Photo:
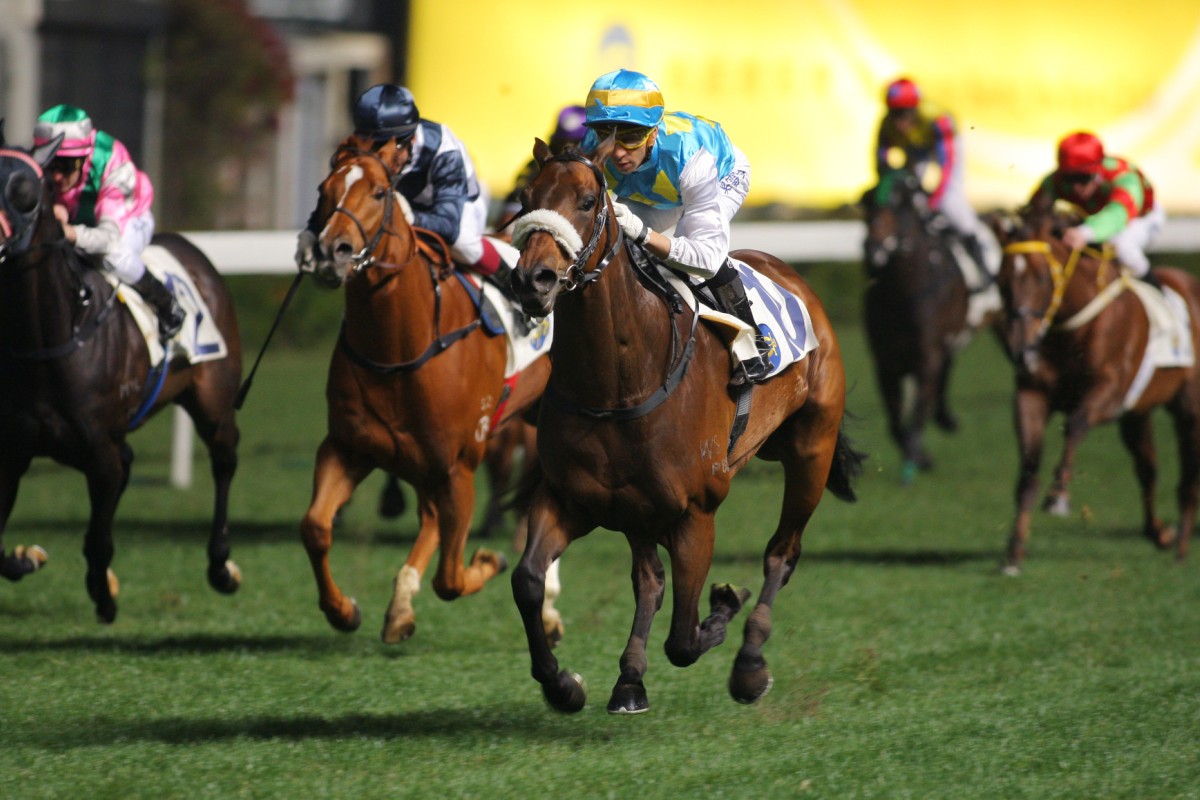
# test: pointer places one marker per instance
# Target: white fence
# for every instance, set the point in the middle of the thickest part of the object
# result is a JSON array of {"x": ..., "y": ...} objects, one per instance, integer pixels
[{"x": 271, "y": 252}]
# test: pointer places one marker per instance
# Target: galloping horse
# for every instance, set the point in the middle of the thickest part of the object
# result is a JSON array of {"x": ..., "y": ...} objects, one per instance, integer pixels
[
  {"x": 915, "y": 310},
  {"x": 634, "y": 428},
  {"x": 416, "y": 386},
  {"x": 1078, "y": 333},
  {"x": 75, "y": 375}
]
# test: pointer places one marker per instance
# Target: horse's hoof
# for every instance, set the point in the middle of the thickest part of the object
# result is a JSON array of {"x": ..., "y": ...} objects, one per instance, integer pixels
[
  {"x": 225, "y": 579},
  {"x": 485, "y": 556},
  {"x": 946, "y": 421},
  {"x": 908, "y": 473},
  {"x": 1163, "y": 537},
  {"x": 628, "y": 698},
  {"x": 567, "y": 694},
  {"x": 1010, "y": 569},
  {"x": 1057, "y": 505},
  {"x": 343, "y": 623},
  {"x": 106, "y": 612},
  {"x": 727, "y": 596},
  {"x": 750, "y": 686},
  {"x": 395, "y": 632}
]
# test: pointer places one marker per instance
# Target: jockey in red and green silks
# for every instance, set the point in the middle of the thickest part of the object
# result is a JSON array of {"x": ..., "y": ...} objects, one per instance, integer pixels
[
  {"x": 1113, "y": 192},
  {"x": 926, "y": 135}
]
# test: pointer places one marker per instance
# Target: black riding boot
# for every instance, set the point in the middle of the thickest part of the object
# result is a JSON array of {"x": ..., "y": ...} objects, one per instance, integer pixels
[
  {"x": 170, "y": 315},
  {"x": 1152, "y": 279},
  {"x": 974, "y": 249},
  {"x": 731, "y": 298}
]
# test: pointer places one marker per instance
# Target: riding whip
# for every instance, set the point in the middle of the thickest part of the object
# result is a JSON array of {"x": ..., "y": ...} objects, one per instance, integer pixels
[{"x": 241, "y": 396}]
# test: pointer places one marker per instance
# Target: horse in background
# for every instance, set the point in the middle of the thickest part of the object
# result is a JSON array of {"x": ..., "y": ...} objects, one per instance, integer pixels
[
  {"x": 918, "y": 309},
  {"x": 416, "y": 387},
  {"x": 76, "y": 377},
  {"x": 635, "y": 432},
  {"x": 1078, "y": 334}
]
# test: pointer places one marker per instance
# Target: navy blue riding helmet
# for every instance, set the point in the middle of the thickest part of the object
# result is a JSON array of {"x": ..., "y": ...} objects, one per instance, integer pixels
[{"x": 386, "y": 111}]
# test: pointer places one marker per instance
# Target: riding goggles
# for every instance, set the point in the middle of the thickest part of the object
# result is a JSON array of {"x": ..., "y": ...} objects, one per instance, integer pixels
[{"x": 629, "y": 137}]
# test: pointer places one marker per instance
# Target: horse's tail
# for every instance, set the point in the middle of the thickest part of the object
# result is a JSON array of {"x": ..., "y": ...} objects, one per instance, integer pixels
[{"x": 846, "y": 467}]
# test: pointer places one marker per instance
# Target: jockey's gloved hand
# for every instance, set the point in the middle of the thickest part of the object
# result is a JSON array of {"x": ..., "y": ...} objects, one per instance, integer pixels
[
  {"x": 630, "y": 223},
  {"x": 306, "y": 251}
]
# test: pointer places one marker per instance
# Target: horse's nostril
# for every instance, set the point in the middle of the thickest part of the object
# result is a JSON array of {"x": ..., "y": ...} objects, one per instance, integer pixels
[
  {"x": 544, "y": 278},
  {"x": 342, "y": 249}
]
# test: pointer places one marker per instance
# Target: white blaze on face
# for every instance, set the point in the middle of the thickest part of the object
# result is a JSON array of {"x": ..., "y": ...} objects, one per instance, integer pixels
[
  {"x": 1019, "y": 264},
  {"x": 352, "y": 176}
]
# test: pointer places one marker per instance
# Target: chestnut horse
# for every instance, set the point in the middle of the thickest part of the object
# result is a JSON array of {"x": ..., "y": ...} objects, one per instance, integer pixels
[
  {"x": 634, "y": 428},
  {"x": 76, "y": 377},
  {"x": 416, "y": 386},
  {"x": 915, "y": 310},
  {"x": 1076, "y": 333}
]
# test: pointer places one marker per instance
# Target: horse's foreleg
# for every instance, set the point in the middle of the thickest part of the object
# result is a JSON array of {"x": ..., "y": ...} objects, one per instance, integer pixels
[
  {"x": 691, "y": 549},
  {"x": 334, "y": 480},
  {"x": 400, "y": 622},
  {"x": 107, "y": 472},
  {"x": 891, "y": 387},
  {"x": 456, "y": 502},
  {"x": 942, "y": 415},
  {"x": 1058, "y": 498},
  {"x": 22, "y": 560},
  {"x": 1138, "y": 437},
  {"x": 550, "y": 532},
  {"x": 1031, "y": 409},
  {"x": 629, "y": 695}
]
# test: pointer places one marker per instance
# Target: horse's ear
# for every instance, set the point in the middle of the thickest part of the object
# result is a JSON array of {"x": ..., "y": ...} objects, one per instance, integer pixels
[
  {"x": 541, "y": 151},
  {"x": 603, "y": 150},
  {"x": 45, "y": 152}
]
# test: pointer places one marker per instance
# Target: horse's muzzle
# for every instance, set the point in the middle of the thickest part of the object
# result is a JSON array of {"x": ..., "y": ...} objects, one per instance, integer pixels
[{"x": 536, "y": 287}]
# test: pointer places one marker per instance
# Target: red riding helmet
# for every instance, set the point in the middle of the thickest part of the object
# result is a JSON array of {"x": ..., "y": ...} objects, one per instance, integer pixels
[
  {"x": 902, "y": 93},
  {"x": 1080, "y": 152}
]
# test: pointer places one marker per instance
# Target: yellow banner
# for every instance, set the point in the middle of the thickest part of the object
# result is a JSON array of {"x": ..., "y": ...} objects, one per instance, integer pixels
[{"x": 798, "y": 84}]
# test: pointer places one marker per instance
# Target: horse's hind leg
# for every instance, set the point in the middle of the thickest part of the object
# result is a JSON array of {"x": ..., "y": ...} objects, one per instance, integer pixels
[
  {"x": 219, "y": 432},
  {"x": 1186, "y": 416},
  {"x": 942, "y": 415},
  {"x": 629, "y": 694},
  {"x": 334, "y": 479},
  {"x": 805, "y": 472},
  {"x": 1138, "y": 436},
  {"x": 22, "y": 560},
  {"x": 107, "y": 473}
]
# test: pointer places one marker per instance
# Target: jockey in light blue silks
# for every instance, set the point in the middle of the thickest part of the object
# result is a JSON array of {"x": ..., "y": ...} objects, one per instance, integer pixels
[{"x": 679, "y": 180}]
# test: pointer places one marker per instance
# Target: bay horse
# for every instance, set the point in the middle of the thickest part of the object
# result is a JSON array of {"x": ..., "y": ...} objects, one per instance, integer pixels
[
  {"x": 1076, "y": 334},
  {"x": 416, "y": 386},
  {"x": 915, "y": 310},
  {"x": 634, "y": 428},
  {"x": 76, "y": 377}
]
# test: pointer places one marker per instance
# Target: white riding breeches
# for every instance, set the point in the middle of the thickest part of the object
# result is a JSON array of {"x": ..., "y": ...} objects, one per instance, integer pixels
[
  {"x": 125, "y": 258},
  {"x": 467, "y": 248},
  {"x": 1131, "y": 242}
]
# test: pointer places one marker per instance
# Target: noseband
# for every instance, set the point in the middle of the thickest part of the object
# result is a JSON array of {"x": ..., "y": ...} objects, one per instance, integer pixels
[{"x": 577, "y": 275}]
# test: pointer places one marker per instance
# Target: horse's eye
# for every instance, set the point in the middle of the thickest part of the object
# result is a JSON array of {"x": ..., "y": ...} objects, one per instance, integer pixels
[
  {"x": 21, "y": 192},
  {"x": 587, "y": 203},
  {"x": 382, "y": 193}
]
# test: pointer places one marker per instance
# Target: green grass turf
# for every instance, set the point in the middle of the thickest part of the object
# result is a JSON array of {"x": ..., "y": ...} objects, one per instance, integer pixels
[{"x": 905, "y": 665}]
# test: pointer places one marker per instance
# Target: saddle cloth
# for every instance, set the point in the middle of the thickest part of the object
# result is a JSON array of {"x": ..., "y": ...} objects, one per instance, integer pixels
[
  {"x": 523, "y": 347},
  {"x": 199, "y": 339},
  {"x": 782, "y": 319},
  {"x": 1170, "y": 340}
]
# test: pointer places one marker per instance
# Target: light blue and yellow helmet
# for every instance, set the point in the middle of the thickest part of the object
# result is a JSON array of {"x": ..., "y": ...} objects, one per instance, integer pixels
[{"x": 624, "y": 97}]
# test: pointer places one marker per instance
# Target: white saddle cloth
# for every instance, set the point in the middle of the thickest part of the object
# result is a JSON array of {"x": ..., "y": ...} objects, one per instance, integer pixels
[
  {"x": 1170, "y": 342},
  {"x": 199, "y": 339}
]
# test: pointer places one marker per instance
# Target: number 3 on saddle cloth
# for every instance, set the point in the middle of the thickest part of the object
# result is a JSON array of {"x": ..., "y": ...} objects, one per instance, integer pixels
[
  {"x": 781, "y": 317},
  {"x": 199, "y": 339}
]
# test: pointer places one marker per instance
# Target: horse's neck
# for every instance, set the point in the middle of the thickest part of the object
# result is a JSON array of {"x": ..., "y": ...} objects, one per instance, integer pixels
[
  {"x": 612, "y": 339},
  {"x": 390, "y": 306},
  {"x": 40, "y": 299}
]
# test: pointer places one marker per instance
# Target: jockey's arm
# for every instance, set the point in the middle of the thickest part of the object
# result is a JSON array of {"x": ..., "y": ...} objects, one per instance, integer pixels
[
  {"x": 448, "y": 176},
  {"x": 1125, "y": 203},
  {"x": 115, "y": 204},
  {"x": 700, "y": 242}
]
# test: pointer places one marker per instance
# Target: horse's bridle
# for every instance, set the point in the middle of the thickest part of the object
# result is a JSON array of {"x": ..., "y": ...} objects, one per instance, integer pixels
[{"x": 366, "y": 256}]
